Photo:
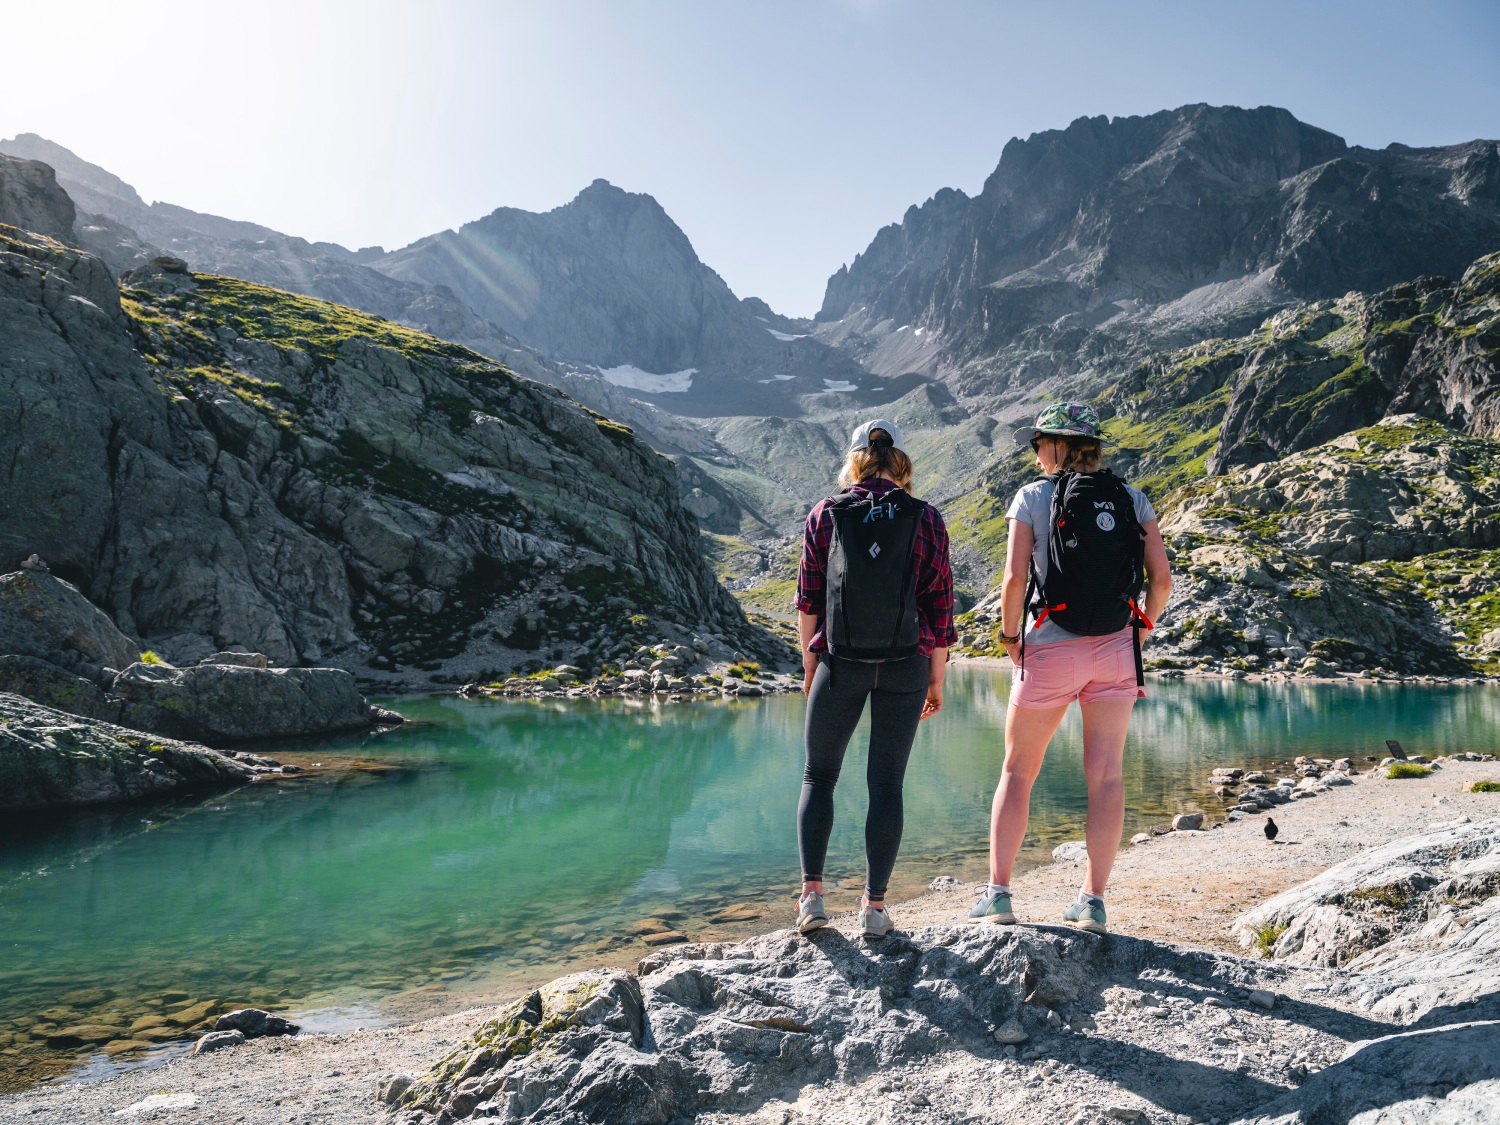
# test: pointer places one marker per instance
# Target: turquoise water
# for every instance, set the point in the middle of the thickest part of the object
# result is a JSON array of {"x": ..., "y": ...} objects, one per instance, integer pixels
[{"x": 494, "y": 841}]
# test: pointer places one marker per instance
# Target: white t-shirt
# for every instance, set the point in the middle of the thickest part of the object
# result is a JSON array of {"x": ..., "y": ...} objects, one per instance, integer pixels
[{"x": 1033, "y": 506}]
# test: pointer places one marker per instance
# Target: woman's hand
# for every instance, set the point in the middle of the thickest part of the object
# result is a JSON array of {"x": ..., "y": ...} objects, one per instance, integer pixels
[
  {"x": 934, "y": 702},
  {"x": 1013, "y": 650},
  {"x": 809, "y": 669}
]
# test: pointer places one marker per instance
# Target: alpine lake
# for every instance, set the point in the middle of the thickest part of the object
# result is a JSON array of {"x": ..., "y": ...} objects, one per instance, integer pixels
[{"x": 491, "y": 845}]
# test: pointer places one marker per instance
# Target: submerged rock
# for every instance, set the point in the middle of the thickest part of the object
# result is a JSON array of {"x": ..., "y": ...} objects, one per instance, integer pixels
[{"x": 51, "y": 759}]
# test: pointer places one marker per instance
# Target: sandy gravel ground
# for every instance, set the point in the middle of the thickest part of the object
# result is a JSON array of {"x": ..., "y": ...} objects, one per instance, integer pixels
[{"x": 1183, "y": 887}]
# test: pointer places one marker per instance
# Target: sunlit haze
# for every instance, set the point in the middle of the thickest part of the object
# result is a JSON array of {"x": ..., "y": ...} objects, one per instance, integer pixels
[{"x": 780, "y": 136}]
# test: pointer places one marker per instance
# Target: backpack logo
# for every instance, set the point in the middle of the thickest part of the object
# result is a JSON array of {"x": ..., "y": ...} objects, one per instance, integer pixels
[
  {"x": 1105, "y": 521},
  {"x": 874, "y": 549},
  {"x": 880, "y": 512}
]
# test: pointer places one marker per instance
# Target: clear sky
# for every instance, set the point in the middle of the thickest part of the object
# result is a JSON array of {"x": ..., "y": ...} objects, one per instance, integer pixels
[{"x": 779, "y": 135}]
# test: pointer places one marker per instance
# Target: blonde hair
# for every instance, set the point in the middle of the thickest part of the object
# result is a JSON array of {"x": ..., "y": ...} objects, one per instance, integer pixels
[
  {"x": 1083, "y": 454},
  {"x": 882, "y": 460}
]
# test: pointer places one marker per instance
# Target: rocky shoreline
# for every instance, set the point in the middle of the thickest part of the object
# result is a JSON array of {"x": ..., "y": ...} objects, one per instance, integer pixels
[
  {"x": 1367, "y": 986},
  {"x": 664, "y": 670}
]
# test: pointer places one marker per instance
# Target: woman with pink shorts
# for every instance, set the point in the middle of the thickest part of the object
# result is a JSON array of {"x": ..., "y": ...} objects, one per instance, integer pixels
[{"x": 1055, "y": 667}]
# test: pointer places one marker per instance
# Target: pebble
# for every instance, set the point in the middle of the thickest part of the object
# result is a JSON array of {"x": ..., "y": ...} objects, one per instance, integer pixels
[
  {"x": 1262, "y": 999},
  {"x": 1140, "y": 838}
]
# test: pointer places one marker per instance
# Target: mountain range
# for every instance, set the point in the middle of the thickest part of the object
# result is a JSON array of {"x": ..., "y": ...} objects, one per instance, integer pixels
[{"x": 1095, "y": 260}]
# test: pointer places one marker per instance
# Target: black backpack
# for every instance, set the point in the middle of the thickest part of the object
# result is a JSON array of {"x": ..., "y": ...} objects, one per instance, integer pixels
[
  {"x": 1096, "y": 555},
  {"x": 870, "y": 598}
]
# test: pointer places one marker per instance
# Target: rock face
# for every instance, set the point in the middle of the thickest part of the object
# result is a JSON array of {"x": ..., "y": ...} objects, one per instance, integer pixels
[
  {"x": 611, "y": 282},
  {"x": 1189, "y": 219},
  {"x": 939, "y": 1014},
  {"x": 49, "y": 759},
  {"x": 221, "y": 465}
]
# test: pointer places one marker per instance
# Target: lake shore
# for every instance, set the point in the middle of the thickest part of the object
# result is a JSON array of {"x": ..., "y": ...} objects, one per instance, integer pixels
[{"x": 1184, "y": 887}]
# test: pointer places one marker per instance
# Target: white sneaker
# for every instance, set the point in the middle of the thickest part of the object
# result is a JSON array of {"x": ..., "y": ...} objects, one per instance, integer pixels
[
  {"x": 810, "y": 913},
  {"x": 874, "y": 921}
]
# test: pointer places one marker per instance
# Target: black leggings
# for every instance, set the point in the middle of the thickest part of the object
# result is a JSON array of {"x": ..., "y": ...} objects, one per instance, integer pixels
[{"x": 896, "y": 689}]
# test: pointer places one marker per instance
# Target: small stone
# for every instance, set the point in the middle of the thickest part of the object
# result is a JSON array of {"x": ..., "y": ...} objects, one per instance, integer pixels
[
  {"x": 214, "y": 1040},
  {"x": 1074, "y": 851},
  {"x": 1011, "y": 1031},
  {"x": 1187, "y": 822},
  {"x": 916, "y": 1097},
  {"x": 670, "y": 937},
  {"x": 648, "y": 926},
  {"x": 1141, "y": 838},
  {"x": 1213, "y": 1002},
  {"x": 740, "y": 912},
  {"x": 1261, "y": 998},
  {"x": 1053, "y": 1020}
]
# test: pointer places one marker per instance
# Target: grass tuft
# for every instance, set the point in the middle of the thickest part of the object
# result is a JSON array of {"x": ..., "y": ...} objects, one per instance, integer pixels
[
  {"x": 1266, "y": 936},
  {"x": 1407, "y": 769}
]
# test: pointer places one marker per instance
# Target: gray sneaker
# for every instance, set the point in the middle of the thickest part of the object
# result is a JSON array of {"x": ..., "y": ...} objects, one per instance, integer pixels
[
  {"x": 1087, "y": 916},
  {"x": 874, "y": 921},
  {"x": 993, "y": 908},
  {"x": 810, "y": 913}
]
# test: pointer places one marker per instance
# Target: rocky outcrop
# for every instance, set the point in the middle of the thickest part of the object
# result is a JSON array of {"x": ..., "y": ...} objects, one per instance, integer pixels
[
  {"x": 31, "y": 199},
  {"x": 221, "y": 465},
  {"x": 219, "y": 702},
  {"x": 958, "y": 1023},
  {"x": 50, "y": 759},
  {"x": 1419, "y": 915},
  {"x": 117, "y": 225},
  {"x": 59, "y": 650}
]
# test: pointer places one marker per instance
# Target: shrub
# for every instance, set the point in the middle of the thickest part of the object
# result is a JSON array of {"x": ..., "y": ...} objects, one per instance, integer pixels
[
  {"x": 149, "y": 657},
  {"x": 1406, "y": 769},
  {"x": 1485, "y": 787}
]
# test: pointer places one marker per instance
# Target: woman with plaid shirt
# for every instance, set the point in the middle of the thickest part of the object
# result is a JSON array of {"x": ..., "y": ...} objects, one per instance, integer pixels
[{"x": 901, "y": 691}]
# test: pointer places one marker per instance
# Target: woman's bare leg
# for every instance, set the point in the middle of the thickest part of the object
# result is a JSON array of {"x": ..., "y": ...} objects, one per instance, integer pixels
[
  {"x": 1028, "y": 730},
  {"x": 1104, "y": 726}
]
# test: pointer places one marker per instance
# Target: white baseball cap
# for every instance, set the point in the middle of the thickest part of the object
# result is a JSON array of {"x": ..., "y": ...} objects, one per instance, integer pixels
[{"x": 860, "y": 439}]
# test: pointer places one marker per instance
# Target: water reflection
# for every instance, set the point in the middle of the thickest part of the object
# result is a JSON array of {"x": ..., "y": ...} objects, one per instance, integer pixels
[{"x": 524, "y": 835}]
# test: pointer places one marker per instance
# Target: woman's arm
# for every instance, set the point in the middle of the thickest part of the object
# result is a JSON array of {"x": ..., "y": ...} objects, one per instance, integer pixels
[
  {"x": 810, "y": 593},
  {"x": 807, "y": 625},
  {"x": 935, "y": 602},
  {"x": 1158, "y": 572},
  {"x": 1013, "y": 586}
]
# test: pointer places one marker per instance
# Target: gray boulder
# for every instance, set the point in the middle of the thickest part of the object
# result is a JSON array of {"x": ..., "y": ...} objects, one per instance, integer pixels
[
  {"x": 43, "y": 616},
  {"x": 255, "y": 1023},
  {"x": 227, "y": 702},
  {"x": 44, "y": 682},
  {"x": 50, "y": 759}
]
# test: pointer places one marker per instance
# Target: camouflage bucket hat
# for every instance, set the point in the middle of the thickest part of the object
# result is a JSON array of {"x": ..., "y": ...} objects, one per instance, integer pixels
[{"x": 1066, "y": 419}]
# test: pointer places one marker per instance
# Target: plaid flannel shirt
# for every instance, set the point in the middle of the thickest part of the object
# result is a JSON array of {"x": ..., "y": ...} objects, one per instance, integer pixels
[{"x": 934, "y": 574}]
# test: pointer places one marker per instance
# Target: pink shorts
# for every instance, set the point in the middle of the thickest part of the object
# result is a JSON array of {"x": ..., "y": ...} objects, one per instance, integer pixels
[{"x": 1088, "y": 669}]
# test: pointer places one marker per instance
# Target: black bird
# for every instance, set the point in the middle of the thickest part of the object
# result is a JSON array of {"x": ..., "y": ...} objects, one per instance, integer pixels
[{"x": 1271, "y": 830}]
